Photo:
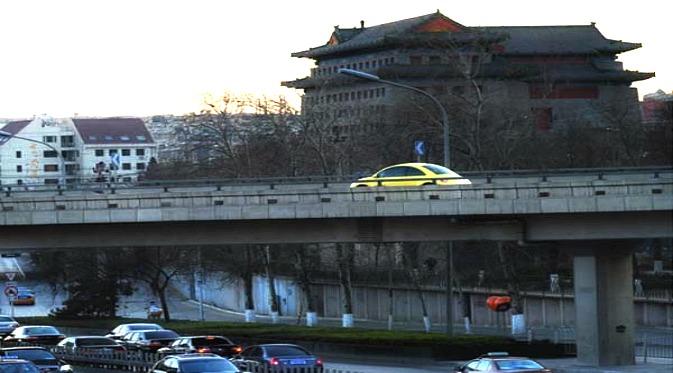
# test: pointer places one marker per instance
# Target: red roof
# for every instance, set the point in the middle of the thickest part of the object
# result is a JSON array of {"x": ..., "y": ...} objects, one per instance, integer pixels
[
  {"x": 113, "y": 131},
  {"x": 13, "y": 128}
]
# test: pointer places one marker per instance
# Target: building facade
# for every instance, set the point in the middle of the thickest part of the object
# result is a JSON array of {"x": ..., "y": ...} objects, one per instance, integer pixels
[
  {"x": 554, "y": 74},
  {"x": 69, "y": 151},
  {"x": 657, "y": 108}
]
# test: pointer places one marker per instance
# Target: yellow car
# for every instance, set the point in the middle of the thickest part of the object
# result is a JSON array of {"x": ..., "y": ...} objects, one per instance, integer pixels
[
  {"x": 412, "y": 174},
  {"x": 25, "y": 297}
]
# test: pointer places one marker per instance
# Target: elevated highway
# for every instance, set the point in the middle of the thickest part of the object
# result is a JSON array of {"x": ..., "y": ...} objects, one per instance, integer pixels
[
  {"x": 526, "y": 208},
  {"x": 592, "y": 214}
]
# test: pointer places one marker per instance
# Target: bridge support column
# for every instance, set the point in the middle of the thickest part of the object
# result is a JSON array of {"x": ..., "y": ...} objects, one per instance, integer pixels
[{"x": 603, "y": 277}]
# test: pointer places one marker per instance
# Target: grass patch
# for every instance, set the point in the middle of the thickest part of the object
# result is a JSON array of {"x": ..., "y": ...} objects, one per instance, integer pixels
[{"x": 458, "y": 347}]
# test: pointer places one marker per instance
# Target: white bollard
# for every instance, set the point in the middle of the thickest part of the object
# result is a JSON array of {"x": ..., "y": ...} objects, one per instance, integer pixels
[
  {"x": 249, "y": 315},
  {"x": 426, "y": 324},
  {"x": 275, "y": 319},
  {"x": 390, "y": 322},
  {"x": 468, "y": 325},
  {"x": 311, "y": 319},
  {"x": 347, "y": 320},
  {"x": 518, "y": 324}
]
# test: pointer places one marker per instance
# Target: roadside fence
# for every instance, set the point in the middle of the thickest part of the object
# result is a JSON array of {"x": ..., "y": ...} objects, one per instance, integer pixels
[
  {"x": 135, "y": 361},
  {"x": 654, "y": 346}
]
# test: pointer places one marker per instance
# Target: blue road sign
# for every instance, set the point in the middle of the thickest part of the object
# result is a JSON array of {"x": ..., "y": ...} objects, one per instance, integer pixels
[
  {"x": 419, "y": 147},
  {"x": 116, "y": 160}
]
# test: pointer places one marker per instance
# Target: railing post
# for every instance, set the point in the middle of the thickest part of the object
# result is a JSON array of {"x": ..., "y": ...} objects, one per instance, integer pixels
[{"x": 645, "y": 348}]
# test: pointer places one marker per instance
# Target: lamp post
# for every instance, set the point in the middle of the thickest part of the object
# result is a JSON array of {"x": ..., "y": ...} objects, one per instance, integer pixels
[
  {"x": 58, "y": 154},
  {"x": 442, "y": 110},
  {"x": 447, "y": 164}
]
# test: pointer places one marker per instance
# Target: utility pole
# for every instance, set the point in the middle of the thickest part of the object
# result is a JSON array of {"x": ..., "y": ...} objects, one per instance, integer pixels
[
  {"x": 449, "y": 288},
  {"x": 200, "y": 283}
]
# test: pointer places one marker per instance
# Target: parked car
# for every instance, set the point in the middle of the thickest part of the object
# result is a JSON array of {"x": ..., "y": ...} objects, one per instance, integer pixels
[
  {"x": 412, "y": 174},
  {"x": 40, "y": 356},
  {"x": 277, "y": 356},
  {"x": 34, "y": 334},
  {"x": 18, "y": 365},
  {"x": 7, "y": 325},
  {"x": 218, "y": 345},
  {"x": 25, "y": 297},
  {"x": 148, "y": 340},
  {"x": 123, "y": 329},
  {"x": 103, "y": 344},
  {"x": 194, "y": 363},
  {"x": 501, "y": 362}
]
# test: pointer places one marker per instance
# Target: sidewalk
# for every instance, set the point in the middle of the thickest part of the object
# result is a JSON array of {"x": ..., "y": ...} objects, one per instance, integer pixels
[{"x": 571, "y": 365}]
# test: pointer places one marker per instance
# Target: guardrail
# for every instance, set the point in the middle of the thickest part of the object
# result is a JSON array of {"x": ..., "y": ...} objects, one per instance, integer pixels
[
  {"x": 647, "y": 344},
  {"x": 137, "y": 361},
  {"x": 487, "y": 177},
  {"x": 654, "y": 346}
]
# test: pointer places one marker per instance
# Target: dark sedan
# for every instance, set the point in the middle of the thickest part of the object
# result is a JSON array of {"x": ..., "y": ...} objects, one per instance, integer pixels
[
  {"x": 34, "y": 335},
  {"x": 218, "y": 345},
  {"x": 123, "y": 329},
  {"x": 101, "y": 344},
  {"x": 278, "y": 357},
  {"x": 40, "y": 356},
  {"x": 148, "y": 340}
]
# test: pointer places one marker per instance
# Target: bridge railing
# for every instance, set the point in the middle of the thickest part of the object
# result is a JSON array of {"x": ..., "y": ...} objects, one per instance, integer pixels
[
  {"x": 143, "y": 362},
  {"x": 481, "y": 177}
]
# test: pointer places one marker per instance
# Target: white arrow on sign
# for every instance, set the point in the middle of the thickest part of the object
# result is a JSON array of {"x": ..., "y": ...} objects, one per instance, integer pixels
[{"x": 116, "y": 160}]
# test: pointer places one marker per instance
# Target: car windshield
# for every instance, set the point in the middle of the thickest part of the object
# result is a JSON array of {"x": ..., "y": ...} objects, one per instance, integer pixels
[
  {"x": 517, "y": 364},
  {"x": 161, "y": 334},
  {"x": 5, "y": 318},
  {"x": 209, "y": 365},
  {"x": 144, "y": 327},
  {"x": 439, "y": 170},
  {"x": 285, "y": 351},
  {"x": 42, "y": 330},
  {"x": 18, "y": 368},
  {"x": 94, "y": 341},
  {"x": 31, "y": 355},
  {"x": 211, "y": 341}
]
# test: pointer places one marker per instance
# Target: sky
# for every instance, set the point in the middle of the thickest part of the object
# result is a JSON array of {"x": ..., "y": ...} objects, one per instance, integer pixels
[{"x": 147, "y": 57}]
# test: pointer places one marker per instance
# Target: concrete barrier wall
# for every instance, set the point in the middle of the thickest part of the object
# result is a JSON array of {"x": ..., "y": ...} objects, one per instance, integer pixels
[{"x": 371, "y": 303}]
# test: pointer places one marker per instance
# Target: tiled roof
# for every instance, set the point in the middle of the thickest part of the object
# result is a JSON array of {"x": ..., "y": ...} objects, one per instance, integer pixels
[
  {"x": 369, "y": 36},
  {"x": 113, "y": 131},
  {"x": 13, "y": 128},
  {"x": 581, "y": 39}
]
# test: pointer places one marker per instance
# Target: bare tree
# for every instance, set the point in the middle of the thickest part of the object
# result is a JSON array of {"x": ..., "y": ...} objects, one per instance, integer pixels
[
  {"x": 273, "y": 297},
  {"x": 345, "y": 261},
  {"x": 157, "y": 266},
  {"x": 305, "y": 263}
]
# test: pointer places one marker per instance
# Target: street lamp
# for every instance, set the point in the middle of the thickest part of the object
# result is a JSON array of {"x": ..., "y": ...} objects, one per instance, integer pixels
[
  {"x": 447, "y": 164},
  {"x": 445, "y": 117},
  {"x": 58, "y": 154}
]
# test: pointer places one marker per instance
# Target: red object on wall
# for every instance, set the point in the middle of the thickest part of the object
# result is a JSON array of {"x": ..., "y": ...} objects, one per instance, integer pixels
[
  {"x": 499, "y": 303},
  {"x": 543, "y": 118}
]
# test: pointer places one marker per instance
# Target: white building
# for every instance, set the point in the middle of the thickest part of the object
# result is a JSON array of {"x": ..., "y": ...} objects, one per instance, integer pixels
[
  {"x": 48, "y": 151},
  {"x": 25, "y": 160},
  {"x": 106, "y": 139}
]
